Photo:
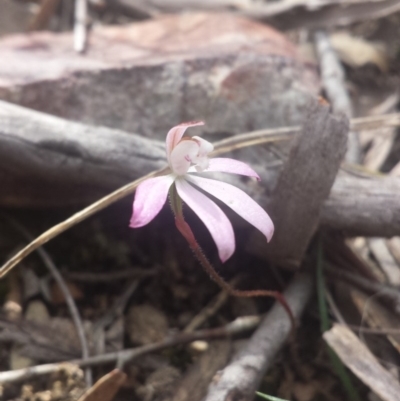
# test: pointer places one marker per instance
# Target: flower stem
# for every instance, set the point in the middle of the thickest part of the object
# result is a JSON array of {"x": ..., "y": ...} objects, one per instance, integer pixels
[{"x": 186, "y": 231}]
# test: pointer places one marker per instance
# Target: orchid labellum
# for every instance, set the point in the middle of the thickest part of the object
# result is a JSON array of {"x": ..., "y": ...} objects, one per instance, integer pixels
[{"x": 186, "y": 157}]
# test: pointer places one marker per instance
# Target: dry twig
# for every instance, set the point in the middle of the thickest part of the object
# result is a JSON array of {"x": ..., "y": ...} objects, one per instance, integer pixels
[
  {"x": 239, "y": 325},
  {"x": 75, "y": 219},
  {"x": 359, "y": 359},
  {"x": 390, "y": 295},
  {"x": 333, "y": 80},
  {"x": 80, "y": 33},
  {"x": 106, "y": 277},
  {"x": 241, "y": 378},
  {"x": 48, "y": 262},
  {"x": 331, "y": 213}
]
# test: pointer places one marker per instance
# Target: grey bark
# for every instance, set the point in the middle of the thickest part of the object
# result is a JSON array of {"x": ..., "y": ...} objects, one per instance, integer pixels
[
  {"x": 304, "y": 184},
  {"x": 45, "y": 160},
  {"x": 333, "y": 81}
]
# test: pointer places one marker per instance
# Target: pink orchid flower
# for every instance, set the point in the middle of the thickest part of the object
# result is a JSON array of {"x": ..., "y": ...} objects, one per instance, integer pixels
[{"x": 190, "y": 155}]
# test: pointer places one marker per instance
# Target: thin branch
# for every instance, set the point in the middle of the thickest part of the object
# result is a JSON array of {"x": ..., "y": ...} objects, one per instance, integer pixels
[
  {"x": 75, "y": 219},
  {"x": 106, "y": 277},
  {"x": 241, "y": 378},
  {"x": 210, "y": 309},
  {"x": 368, "y": 330},
  {"x": 264, "y": 136},
  {"x": 333, "y": 79},
  {"x": 80, "y": 33},
  {"x": 238, "y": 326},
  {"x": 391, "y": 295},
  {"x": 48, "y": 262}
]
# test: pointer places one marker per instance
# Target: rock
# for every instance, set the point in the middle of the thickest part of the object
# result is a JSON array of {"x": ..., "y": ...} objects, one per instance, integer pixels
[
  {"x": 36, "y": 311},
  {"x": 234, "y": 73},
  {"x": 146, "y": 324}
]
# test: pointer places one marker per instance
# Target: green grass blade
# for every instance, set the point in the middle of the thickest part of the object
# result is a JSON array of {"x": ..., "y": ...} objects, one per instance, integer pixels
[
  {"x": 269, "y": 397},
  {"x": 337, "y": 364}
]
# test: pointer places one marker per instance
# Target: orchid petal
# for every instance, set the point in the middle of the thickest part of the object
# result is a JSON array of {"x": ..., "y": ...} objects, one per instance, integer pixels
[
  {"x": 182, "y": 156},
  {"x": 238, "y": 201},
  {"x": 205, "y": 146},
  {"x": 150, "y": 197},
  {"x": 211, "y": 215},
  {"x": 226, "y": 165},
  {"x": 175, "y": 134}
]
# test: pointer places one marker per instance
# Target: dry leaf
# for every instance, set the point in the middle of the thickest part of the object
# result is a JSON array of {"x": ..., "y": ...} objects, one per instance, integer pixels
[
  {"x": 393, "y": 245},
  {"x": 105, "y": 388},
  {"x": 358, "y": 358},
  {"x": 377, "y": 316},
  {"x": 381, "y": 146},
  {"x": 357, "y": 52},
  {"x": 385, "y": 259}
]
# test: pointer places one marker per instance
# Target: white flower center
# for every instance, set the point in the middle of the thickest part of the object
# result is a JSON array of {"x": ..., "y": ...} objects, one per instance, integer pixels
[{"x": 190, "y": 152}]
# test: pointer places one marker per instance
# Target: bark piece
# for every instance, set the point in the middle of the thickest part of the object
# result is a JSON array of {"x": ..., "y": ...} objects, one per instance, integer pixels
[
  {"x": 304, "y": 184},
  {"x": 234, "y": 73},
  {"x": 358, "y": 358},
  {"x": 241, "y": 378}
]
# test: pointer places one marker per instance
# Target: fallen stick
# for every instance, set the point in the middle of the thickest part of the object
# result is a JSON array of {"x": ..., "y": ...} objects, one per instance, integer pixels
[
  {"x": 240, "y": 379},
  {"x": 365, "y": 207},
  {"x": 239, "y": 325},
  {"x": 333, "y": 81}
]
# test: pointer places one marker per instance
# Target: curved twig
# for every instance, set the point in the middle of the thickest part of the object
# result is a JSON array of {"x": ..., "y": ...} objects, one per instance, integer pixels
[
  {"x": 75, "y": 219},
  {"x": 48, "y": 262}
]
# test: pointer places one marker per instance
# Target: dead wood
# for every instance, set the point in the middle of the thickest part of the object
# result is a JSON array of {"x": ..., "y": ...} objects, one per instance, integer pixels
[
  {"x": 359, "y": 359},
  {"x": 37, "y": 151},
  {"x": 72, "y": 163},
  {"x": 390, "y": 295},
  {"x": 193, "y": 386},
  {"x": 286, "y": 15},
  {"x": 304, "y": 184},
  {"x": 333, "y": 81},
  {"x": 332, "y": 15},
  {"x": 238, "y": 326},
  {"x": 363, "y": 206},
  {"x": 241, "y": 378}
]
